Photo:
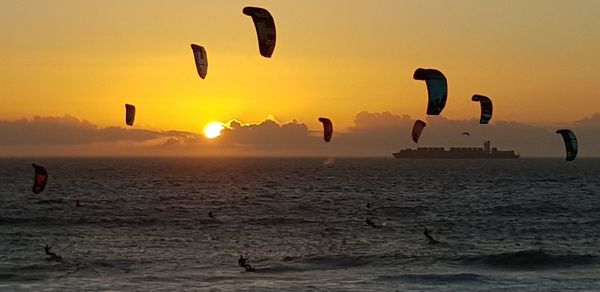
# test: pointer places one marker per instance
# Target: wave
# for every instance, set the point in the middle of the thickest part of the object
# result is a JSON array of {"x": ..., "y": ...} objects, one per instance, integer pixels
[
  {"x": 278, "y": 221},
  {"x": 433, "y": 278},
  {"x": 333, "y": 261},
  {"x": 311, "y": 263},
  {"x": 527, "y": 209},
  {"x": 52, "y": 268},
  {"x": 111, "y": 263},
  {"x": 90, "y": 220},
  {"x": 10, "y": 277},
  {"x": 50, "y": 201},
  {"x": 297, "y": 264},
  {"x": 401, "y": 211},
  {"x": 529, "y": 259},
  {"x": 273, "y": 269},
  {"x": 34, "y": 268}
]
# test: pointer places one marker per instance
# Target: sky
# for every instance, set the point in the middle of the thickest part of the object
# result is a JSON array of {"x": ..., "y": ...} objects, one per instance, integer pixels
[{"x": 77, "y": 63}]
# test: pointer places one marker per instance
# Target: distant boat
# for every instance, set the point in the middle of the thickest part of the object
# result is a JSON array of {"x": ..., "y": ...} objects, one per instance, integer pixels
[{"x": 486, "y": 152}]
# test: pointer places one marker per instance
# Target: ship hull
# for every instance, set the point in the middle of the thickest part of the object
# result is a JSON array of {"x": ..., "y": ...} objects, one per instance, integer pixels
[
  {"x": 485, "y": 152},
  {"x": 400, "y": 155}
]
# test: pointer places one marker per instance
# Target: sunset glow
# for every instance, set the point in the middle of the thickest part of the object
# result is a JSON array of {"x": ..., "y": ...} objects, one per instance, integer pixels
[
  {"x": 69, "y": 66},
  {"x": 485, "y": 48}
]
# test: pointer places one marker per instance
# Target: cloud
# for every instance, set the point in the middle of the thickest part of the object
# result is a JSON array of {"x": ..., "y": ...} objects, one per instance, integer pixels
[
  {"x": 66, "y": 130},
  {"x": 371, "y": 129},
  {"x": 592, "y": 121},
  {"x": 268, "y": 133},
  {"x": 380, "y": 122},
  {"x": 373, "y": 134},
  {"x": 68, "y": 135},
  {"x": 270, "y": 138}
]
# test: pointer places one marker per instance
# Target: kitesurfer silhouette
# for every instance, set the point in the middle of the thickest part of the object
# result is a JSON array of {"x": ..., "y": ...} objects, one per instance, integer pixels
[
  {"x": 47, "y": 249},
  {"x": 427, "y": 234},
  {"x": 242, "y": 263},
  {"x": 368, "y": 221},
  {"x": 52, "y": 255}
]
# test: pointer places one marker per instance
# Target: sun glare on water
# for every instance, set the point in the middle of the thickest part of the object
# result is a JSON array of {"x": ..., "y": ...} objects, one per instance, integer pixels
[{"x": 213, "y": 130}]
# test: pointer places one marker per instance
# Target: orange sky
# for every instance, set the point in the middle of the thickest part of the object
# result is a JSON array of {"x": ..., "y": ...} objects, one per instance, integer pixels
[{"x": 538, "y": 60}]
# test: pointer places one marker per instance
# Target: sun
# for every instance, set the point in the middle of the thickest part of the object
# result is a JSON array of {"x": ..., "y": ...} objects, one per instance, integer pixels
[{"x": 213, "y": 130}]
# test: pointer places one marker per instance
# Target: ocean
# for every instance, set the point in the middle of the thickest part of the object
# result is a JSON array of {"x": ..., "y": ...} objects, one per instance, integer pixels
[{"x": 143, "y": 224}]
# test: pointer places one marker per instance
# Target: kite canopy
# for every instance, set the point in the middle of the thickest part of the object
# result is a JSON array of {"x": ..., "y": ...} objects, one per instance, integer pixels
[
  {"x": 201, "y": 60},
  {"x": 417, "y": 129},
  {"x": 40, "y": 179},
  {"x": 466, "y": 134},
  {"x": 437, "y": 89},
  {"x": 327, "y": 129},
  {"x": 265, "y": 29},
  {"x": 486, "y": 108},
  {"x": 129, "y": 114},
  {"x": 570, "y": 143}
]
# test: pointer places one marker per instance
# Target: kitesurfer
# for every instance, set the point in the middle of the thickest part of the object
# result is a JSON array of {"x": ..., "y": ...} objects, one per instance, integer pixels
[
  {"x": 52, "y": 255},
  {"x": 242, "y": 261},
  {"x": 210, "y": 214},
  {"x": 368, "y": 221},
  {"x": 77, "y": 203},
  {"x": 427, "y": 234},
  {"x": 47, "y": 248}
]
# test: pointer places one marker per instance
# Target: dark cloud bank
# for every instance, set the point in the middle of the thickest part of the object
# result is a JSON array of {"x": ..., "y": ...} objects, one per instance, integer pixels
[{"x": 373, "y": 134}]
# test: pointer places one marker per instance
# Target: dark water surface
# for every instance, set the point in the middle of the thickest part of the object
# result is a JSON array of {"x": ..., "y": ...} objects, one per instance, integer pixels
[{"x": 528, "y": 224}]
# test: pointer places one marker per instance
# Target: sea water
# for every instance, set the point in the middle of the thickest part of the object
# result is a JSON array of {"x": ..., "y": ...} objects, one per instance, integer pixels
[{"x": 143, "y": 224}]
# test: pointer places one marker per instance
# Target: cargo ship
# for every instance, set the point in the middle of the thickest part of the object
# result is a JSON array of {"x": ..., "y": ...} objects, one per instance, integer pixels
[{"x": 485, "y": 152}]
